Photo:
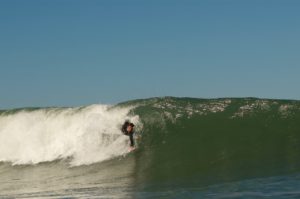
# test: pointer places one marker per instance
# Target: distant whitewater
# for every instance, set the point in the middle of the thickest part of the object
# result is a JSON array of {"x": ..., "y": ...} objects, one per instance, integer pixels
[{"x": 187, "y": 148}]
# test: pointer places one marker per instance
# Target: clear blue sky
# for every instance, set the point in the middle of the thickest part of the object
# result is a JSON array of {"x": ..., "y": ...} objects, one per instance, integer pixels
[{"x": 70, "y": 52}]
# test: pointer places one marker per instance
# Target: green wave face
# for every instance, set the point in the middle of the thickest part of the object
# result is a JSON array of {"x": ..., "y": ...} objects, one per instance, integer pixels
[{"x": 186, "y": 140}]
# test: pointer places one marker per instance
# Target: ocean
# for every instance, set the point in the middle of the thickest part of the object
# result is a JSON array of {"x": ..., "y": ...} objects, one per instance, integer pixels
[{"x": 186, "y": 148}]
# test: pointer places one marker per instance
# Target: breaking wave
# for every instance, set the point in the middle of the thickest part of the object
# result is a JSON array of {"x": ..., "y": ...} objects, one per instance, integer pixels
[
  {"x": 210, "y": 140},
  {"x": 84, "y": 135}
]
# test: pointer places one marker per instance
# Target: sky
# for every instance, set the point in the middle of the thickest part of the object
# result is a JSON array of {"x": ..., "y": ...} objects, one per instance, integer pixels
[{"x": 73, "y": 53}]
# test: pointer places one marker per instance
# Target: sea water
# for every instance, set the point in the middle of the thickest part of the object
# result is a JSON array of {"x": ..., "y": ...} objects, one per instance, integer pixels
[{"x": 186, "y": 148}]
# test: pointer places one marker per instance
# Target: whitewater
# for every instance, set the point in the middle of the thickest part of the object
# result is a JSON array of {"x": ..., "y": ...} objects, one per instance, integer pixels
[{"x": 84, "y": 135}]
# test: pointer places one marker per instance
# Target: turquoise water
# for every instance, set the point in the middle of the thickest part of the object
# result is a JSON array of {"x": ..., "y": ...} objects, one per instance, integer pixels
[{"x": 187, "y": 148}]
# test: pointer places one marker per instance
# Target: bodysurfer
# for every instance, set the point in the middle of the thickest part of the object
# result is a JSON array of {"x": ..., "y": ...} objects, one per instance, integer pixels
[{"x": 127, "y": 129}]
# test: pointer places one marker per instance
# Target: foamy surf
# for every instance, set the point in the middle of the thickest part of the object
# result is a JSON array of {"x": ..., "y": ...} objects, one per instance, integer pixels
[{"x": 84, "y": 135}]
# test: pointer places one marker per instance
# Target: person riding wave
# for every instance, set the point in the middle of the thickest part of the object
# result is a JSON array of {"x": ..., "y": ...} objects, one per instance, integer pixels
[{"x": 127, "y": 129}]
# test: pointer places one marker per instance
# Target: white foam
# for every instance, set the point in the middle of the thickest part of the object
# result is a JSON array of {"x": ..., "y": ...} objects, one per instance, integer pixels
[{"x": 87, "y": 135}]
